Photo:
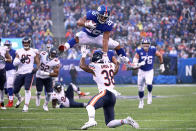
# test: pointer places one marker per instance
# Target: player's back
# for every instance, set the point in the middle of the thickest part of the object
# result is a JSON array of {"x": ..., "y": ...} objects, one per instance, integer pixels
[
  {"x": 104, "y": 75},
  {"x": 27, "y": 65}
]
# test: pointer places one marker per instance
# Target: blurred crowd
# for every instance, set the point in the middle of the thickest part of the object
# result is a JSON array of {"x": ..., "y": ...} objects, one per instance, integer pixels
[
  {"x": 170, "y": 24},
  {"x": 19, "y": 18}
]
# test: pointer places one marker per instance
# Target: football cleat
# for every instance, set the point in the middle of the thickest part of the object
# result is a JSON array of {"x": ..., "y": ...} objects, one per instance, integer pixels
[
  {"x": 149, "y": 99},
  {"x": 19, "y": 102},
  {"x": 84, "y": 93},
  {"x": 25, "y": 108},
  {"x": 45, "y": 107},
  {"x": 88, "y": 125},
  {"x": 132, "y": 122},
  {"x": 10, "y": 104},
  {"x": 2, "y": 106},
  {"x": 141, "y": 104}
]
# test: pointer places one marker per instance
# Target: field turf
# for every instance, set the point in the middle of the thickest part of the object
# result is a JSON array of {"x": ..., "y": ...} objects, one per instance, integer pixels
[{"x": 173, "y": 109}]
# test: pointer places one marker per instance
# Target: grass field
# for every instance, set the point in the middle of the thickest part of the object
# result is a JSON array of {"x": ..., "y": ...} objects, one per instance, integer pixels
[{"x": 173, "y": 109}]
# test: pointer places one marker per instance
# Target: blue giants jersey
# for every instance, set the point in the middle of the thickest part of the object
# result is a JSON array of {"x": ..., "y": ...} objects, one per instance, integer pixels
[
  {"x": 100, "y": 28},
  {"x": 10, "y": 66},
  {"x": 148, "y": 57}
]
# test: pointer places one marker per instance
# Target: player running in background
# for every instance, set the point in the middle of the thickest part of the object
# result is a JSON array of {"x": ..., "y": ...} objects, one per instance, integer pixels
[
  {"x": 65, "y": 99},
  {"x": 4, "y": 57},
  {"x": 49, "y": 67},
  {"x": 25, "y": 59},
  {"x": 94, "y": 24},
  {"x": 103, "y": 75},
  {"x": 10, "y": 73},
  {"x": 144, "y": 60}
]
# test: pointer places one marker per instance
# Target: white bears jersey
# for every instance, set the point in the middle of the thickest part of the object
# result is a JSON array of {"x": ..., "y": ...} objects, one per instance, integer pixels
[
  {"x": 104, "y": 76},
  {"x": 46, "y": 64},
  {"x": 61, "y": 98},
  {"x": 2, "y": 53},
  {"x": 27, "y": 66}
]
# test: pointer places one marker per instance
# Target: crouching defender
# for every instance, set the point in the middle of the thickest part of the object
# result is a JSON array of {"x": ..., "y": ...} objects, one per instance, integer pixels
[
  {"x": 65, "y": 99},
  {"x": 103, "y": 74}
]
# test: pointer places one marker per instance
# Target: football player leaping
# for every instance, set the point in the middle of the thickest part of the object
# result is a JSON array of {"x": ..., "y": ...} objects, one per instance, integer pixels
[
  {"x": 144, "y": 60},
  {"x": 10, "y": 73},
  {"x": 94, "y": 24},
  {"x": 103, "y": 75},
  {"x": 4, "y": 57},
  {"x": 25, "y": 59},
  {"x": 49, "y": 67}
]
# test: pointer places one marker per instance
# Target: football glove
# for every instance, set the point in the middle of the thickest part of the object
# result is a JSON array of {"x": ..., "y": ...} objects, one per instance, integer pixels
[
  {"x": 90, "y": 24},
  {"x": 162, "y": 68},
  {"x": 141, "y": 63},
  {"x": 84, "y": 51},
  {"x": 23, "y": 59},
  {"x": 105, "y": 58}
]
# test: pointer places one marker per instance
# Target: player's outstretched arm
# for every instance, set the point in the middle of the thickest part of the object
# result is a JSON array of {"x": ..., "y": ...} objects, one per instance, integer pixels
[
  {"x": 114, "y": 60},
  {"x": 82, "y": 60},
  {"x": 106, "y": 36}
]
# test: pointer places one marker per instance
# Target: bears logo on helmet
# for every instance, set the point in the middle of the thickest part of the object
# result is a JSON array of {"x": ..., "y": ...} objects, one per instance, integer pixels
[
  {"x": 97, "y": 56},
  {"x": 26, "y": 42}
]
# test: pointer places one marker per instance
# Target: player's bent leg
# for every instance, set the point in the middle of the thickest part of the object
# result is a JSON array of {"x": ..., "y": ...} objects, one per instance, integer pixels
[
  {"x": 74, "y": 104},
  {"x": 91, "y": 114}
]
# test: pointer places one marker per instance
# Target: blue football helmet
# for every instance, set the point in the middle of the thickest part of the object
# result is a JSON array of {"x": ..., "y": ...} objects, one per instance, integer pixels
[
  {"x": 103, "y": 14},
  {"x": 8, "y": 44},
  {"x": 146, "y": 43},
  {"x": 97, "y": 56}
]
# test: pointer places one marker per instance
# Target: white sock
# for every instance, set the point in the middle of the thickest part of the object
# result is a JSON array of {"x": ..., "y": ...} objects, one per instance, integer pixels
[
  {"x": 27, "y": 97},
  {"x": 115, "y": 123},
  {"x": 91, "y": 112},
  {"x": 75, "y": 88},
  {"x": 1, "y": 96},
  {"x": 11, "y": 98}
]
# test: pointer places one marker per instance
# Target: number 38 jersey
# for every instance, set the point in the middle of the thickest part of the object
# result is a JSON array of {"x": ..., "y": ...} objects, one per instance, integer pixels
[
  {"x": 46, "y": 64},
  {"x": 148, "y": 57},
  {"x": 26, "y": 66},
  {"x": 104, "y": 75}
]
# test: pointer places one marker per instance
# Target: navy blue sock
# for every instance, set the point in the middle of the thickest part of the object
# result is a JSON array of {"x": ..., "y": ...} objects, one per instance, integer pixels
[
  {"x": 6, "y": 91},
  {"x": 120, "y": 52},
  {"x": 71, "y": 42},
  {"x": 141, "y": 94},
  {"x": 10, "y": 91},
  {"x": 149, "y": 88}
]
